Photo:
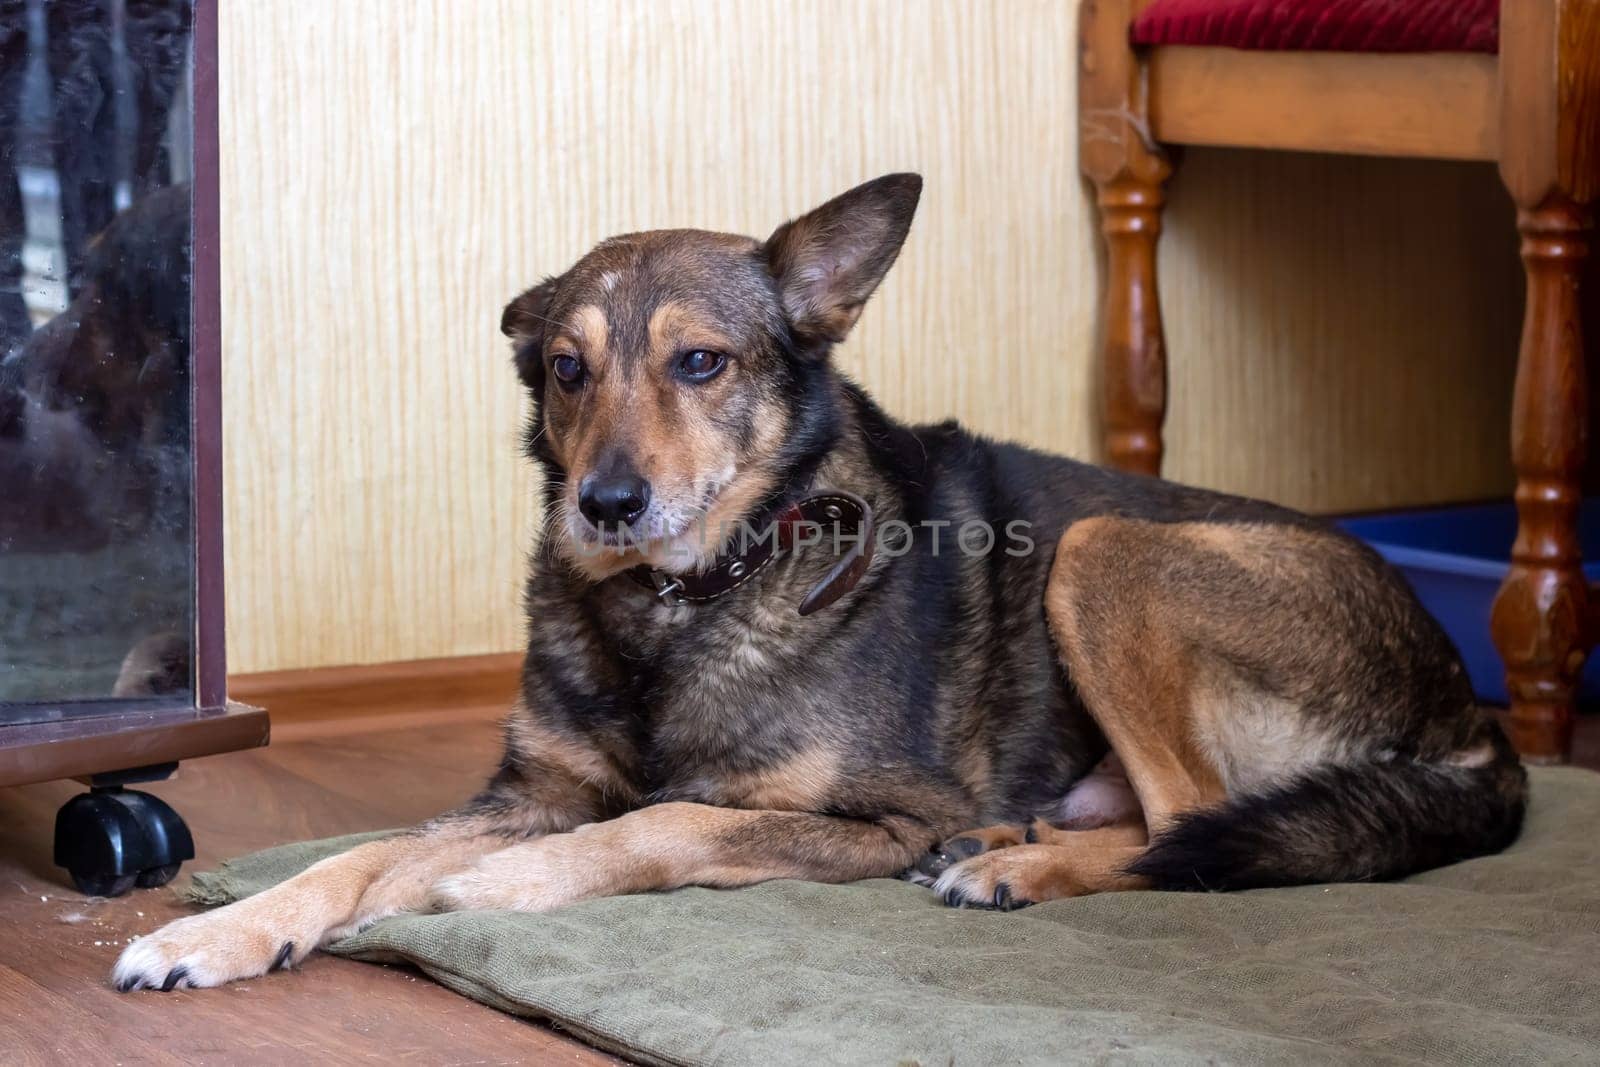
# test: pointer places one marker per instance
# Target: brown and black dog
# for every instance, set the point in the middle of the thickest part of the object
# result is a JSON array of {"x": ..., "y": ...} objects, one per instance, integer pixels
[{"x": 698, "y": 710}]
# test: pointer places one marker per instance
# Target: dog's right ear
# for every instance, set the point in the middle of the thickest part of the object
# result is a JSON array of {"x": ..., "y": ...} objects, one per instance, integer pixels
[
  {"x": 828, "y": 261},
  {"x": 524, "y": 321}
]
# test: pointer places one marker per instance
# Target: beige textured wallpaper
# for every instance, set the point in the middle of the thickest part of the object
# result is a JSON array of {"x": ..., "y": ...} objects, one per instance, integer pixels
[{"x": 1342, "y": 330}]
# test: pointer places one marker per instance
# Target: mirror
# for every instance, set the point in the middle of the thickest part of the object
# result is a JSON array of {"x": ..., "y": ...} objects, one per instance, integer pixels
[{"x": 96, "y": 506}]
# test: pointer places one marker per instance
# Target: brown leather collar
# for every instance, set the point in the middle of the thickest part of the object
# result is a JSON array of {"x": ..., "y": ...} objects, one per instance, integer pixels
[{"x": 836, "y": 522}]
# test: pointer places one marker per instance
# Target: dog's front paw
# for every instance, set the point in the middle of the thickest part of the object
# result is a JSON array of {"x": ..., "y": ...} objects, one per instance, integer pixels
[
  {"x": 202, "y": 951},
  {"x": 1008, "y": 879}
]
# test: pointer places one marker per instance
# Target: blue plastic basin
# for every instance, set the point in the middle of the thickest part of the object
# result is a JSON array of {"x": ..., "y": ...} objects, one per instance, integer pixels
[{"x": 1455, "y": 558}]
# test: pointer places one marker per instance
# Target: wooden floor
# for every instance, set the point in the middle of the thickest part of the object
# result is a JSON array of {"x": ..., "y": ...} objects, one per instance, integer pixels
[{"x": 56, "y": 947}]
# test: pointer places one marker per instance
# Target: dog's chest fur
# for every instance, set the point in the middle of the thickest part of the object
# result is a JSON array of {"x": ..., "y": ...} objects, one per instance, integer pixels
[{"x": 743, "y": 706}]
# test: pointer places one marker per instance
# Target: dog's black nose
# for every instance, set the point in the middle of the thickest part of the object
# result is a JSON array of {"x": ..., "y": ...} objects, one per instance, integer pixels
[{"x": 613, "y": 499}]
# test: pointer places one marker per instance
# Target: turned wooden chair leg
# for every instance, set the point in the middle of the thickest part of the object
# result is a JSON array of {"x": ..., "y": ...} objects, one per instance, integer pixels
[
  {"x": 1117, "y": 152},
  {"x": 1134, "y": 352},
  {"x": 1540, "y": 616},
  {"x": 1550, "y": 163}
]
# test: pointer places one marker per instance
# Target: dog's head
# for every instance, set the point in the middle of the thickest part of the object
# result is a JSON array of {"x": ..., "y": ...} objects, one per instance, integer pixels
[{"x": 680, "y": 378}]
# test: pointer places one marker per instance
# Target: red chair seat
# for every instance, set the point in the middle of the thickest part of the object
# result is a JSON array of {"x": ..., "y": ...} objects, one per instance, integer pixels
[{"x": 1324, "y": 25}]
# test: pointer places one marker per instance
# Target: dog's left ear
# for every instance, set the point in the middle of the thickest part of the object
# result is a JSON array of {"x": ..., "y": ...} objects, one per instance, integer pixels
[
  {"x": 830, "y": 260},
  {"x": 524, "y": 321}
]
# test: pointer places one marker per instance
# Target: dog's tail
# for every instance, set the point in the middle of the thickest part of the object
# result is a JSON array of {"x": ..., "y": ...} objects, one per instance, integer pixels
[{"x": 1348, "y": 823}]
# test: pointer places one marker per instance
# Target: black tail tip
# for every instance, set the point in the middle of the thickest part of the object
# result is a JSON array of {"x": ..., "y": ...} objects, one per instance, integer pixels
[
  {"x": 1361, "y": 823},
  {"x": 1207, "y": 852}
]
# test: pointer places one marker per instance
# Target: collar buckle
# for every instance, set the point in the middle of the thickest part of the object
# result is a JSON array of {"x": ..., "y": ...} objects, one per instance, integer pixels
[{"x": 668, "y": 588}]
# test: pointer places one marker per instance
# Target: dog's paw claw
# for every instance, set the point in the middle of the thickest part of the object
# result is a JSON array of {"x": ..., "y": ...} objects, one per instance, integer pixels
[
  {"x": 283, "y": 958},
  {"x": 987, "y": 882},
  {"x": 1001, "y": 899},
  {"x": 174, "y": 976}
]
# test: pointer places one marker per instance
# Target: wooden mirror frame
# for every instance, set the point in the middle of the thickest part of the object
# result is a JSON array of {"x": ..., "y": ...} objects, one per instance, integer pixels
[{"x": 131, "y": 735}]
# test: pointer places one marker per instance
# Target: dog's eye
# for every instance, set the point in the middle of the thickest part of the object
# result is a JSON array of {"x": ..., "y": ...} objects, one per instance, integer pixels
[
  {"x": 700, "y": 365},
  {"x": 567, "y": 369}
]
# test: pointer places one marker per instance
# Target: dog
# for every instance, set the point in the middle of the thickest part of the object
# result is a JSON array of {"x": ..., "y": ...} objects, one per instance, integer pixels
[{"x": 831, "y": 693}]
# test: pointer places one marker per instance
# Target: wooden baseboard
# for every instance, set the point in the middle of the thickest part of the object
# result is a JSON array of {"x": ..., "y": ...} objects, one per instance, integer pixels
[{"x": 329, "y": 701}]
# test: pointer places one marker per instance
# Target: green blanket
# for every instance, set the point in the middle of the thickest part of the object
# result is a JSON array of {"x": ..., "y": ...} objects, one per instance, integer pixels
[{"x": 1492, "y": 961}]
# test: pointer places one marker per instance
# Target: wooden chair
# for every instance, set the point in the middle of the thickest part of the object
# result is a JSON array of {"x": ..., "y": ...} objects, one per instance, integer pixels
[{"x": 1529, "y": 100}]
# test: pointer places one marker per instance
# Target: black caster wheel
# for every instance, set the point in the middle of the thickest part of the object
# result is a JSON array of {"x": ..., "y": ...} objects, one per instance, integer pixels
[
  {"x": 111, "y": 839},
  {"x": 151, "y": 877},
  {"x": 103, "y": 885}
]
